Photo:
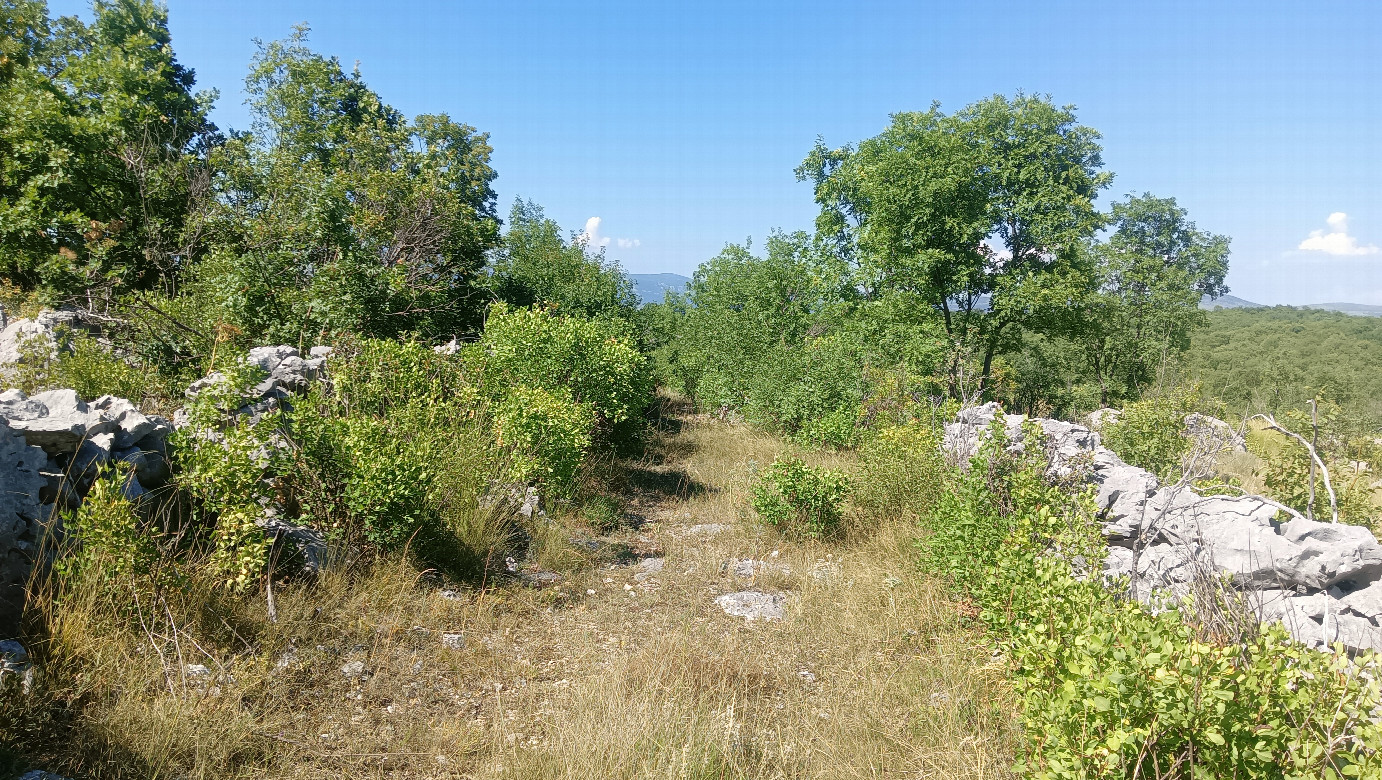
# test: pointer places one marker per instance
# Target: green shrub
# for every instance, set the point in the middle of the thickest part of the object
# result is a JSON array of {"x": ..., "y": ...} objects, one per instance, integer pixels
[
  {"x": 110, "y": 541},
  {"x": 901, "y": 470},
  {"x": 387, "y": 486},
  {"x": 85, "y": 366},
  {"x": 227, "y": 478},
  {"x": 1150, "y": 434},
  {"x": 801, "y": 500},
  {"x": 596, "y": 363},
  {"x": 547, "y": 435},
  {"x": 1112, "y": 689},
  {"x": 973, "y": 517},
  {"x": 835, "y": 428},
  {"x": 393, "y": 447},
  {"x": 225, "y": 465}
]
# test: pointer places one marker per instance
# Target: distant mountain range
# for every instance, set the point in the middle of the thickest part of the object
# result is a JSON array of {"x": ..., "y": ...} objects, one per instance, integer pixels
[
  {"x": 1234, "y": 302},
  {"x": 1227, "y": 302},
  {"x": 651, "y": 288}
]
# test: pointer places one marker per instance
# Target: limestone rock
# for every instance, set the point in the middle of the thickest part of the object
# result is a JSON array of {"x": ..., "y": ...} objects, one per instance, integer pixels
[
  {"x": 1100, "y": 418},
  {"x": 21, "y": 484},
  {"x": 22, "y": 338},
  {"x": 57, "y": 420},
  {"x": 1366, "y": 603},
  {"x": 753, "y": 605},
  {"x": 312, "y": 553},
  {"x": 1343, "y": 553},
  {"x": 1323, "y": 581},
  {"x": 15, "y": 667},
  {"x": 1211, "y": 434}
]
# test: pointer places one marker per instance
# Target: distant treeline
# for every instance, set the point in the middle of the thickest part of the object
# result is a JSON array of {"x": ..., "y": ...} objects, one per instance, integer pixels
[{"x": 1277, "y": 358}]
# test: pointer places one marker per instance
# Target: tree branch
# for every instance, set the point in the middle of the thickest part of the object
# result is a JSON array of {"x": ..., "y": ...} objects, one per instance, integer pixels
[{"x": 1314, "y": 456}]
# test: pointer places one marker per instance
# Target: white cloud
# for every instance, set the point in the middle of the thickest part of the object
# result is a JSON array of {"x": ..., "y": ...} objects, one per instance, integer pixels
[
  {"x": 1337, "y": 242},
  {"x": 591, "y": 237}
]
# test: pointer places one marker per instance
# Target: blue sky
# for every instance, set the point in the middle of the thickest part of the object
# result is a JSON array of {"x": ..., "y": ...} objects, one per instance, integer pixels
[{"x": 679, "y": 125}]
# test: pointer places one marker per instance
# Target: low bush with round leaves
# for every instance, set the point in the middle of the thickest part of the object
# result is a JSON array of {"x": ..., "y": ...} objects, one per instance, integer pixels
[
  {"x": 546, "y": 434},
  {"x": 1110, "y": 688},
  {"x": 801, "y": 500}
]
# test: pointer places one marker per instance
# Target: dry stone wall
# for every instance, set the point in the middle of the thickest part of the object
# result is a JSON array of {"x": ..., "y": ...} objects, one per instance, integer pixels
[
  {"x": 53, "y": 445},
  {"x": 1322, "y": 580}
]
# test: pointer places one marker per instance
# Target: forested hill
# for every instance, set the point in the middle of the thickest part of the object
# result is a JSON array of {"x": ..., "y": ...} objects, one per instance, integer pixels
[
  {"x": 651, "y": 288},
  {"x": 1278, "y": 357}
]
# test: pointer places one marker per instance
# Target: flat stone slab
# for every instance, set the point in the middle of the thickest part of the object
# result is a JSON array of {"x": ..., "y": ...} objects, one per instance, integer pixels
[
  {"x": 753, "y": 605},
  {"x": 748, "y": 568},
  {"x": 539, "y": 579},
  {"x": 706, "y": 529}
]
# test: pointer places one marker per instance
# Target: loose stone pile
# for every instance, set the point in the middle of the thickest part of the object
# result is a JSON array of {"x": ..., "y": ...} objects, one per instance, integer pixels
[
  {"x": 53, "y": 445},
  {"x": 24, "y": 338},
  {"x": 1322, "y": 580}
]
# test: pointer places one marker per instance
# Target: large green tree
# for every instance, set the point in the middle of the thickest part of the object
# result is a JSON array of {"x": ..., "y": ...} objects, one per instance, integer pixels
[
  {"x": 786, "y": 338},
  {"x": 1143, "y": 304},
  {"x": 981, "y": 214},
  {"x": 102, "y": 150},
  {"x": 536, "y": 265},
  {"x": 336, "y": 213}
]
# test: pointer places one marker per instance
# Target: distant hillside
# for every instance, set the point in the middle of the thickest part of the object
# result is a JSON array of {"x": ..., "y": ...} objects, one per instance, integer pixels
[
  {"x": 1233, "y": 302},
  {"x": 1356, "y": 309},
  {"x": 652, "y": 287},
  {"x": 1227, "y": 302},
  {"x": 1273, "y": 359}
]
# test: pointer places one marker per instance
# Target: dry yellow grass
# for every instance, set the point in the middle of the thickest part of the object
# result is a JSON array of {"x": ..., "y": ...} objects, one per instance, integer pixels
[{"x": 871, "y": 674}]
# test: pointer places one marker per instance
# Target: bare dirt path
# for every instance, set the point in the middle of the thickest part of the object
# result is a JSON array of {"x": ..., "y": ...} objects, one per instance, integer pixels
[
  {"x": 632, "y": 669},
  {"x": 627, "y": 667}
]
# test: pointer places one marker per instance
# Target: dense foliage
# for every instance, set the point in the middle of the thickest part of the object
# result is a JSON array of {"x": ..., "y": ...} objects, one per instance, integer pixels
[
  {"x": 957, "y": 255},
  {"x": 1273, "y": 359},
  {"x": 103, "y": 150},
  {"x": 801, "y": 500},
  {"x": 535, "y": 265},
  {"x": 1110, "y": 688}
]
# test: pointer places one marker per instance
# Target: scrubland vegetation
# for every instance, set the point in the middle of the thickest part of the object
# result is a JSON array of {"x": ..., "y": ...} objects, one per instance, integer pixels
[{"x": 778, "y": 425}]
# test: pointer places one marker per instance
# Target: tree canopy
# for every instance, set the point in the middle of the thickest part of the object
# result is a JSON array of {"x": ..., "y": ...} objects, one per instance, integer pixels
[
  {"x": 980, "y": 213},
  {"x": 103, "y": 149}
]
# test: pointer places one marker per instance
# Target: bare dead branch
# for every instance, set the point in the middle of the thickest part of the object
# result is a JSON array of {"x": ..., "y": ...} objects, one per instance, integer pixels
[{"x": 1314, "y": 456}]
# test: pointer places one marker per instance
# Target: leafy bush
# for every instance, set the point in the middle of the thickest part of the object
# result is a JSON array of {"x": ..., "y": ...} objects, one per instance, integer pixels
[
  {"x": 1346, "y": 450},
  {"x": 110, "y": 541},
  {"x": 225, "y": 468},
  {"x": 1110, "y": 688},
  {"x": 801, "y": 500},
  {"x": 973, "y": 517},
  {"x": 83, "y": 365},
  {"x": 394, "y": 446},
  {"x": 1150, "y": 434},
  {"x": 594, "y": 362},
  {"x": 547, "y": 434}
]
